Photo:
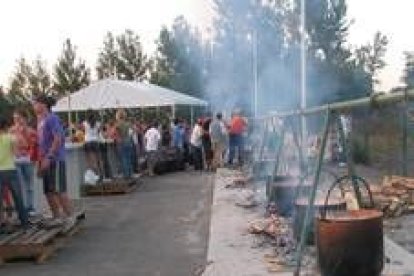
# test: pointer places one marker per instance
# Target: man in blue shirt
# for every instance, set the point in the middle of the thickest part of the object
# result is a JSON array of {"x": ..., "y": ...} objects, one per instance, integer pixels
[{"x": 178, "y": 135}]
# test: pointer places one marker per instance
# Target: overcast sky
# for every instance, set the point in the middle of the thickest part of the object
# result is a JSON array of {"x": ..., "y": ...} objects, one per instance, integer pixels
[{"x": 30, "y": 28}]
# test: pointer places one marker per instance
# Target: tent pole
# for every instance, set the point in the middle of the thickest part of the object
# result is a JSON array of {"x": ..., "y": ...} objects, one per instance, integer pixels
[
  {"x": 192, "y": 115},
  {"x": 173, "y": 111}
]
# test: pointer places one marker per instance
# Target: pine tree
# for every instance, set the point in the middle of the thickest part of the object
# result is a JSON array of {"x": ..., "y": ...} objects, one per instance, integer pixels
[
  {"x": 70, "y": 72},
  {"x": 180, "y": 61},
  {"x": 409, "y": 70},
  {"x": 132, "y": 63},
  {"x": 108, "y": 58},
  {"x": 29, "y": 80}
]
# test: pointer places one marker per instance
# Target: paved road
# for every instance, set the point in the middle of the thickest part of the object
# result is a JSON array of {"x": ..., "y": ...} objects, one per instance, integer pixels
[{"x": 160, "y": 229}]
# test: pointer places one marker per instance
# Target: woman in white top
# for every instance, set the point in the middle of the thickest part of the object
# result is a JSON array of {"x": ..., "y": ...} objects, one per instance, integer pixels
[{"x": 92, "y": 139}]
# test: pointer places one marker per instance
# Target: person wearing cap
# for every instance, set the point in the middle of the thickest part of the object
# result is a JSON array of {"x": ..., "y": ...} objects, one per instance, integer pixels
[{"x": 51, "y": 166}]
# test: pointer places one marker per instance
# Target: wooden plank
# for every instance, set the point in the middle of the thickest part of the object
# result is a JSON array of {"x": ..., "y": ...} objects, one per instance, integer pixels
[
  {"x": 48, "y": 235},
  {"x": 33, "y": 238},
  {"x": 11, "y": 237},
  {"x": 25, "y": 236}
]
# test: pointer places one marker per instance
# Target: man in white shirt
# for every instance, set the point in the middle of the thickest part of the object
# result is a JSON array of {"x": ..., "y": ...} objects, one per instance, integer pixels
[
  {"x": 152, "y": 140},
  {"x": 196, "y": 145}
]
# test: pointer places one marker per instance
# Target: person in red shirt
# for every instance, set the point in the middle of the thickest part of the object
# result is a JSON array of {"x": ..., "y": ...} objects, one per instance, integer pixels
[
  {"x": 26, "y": 154},
  {"x": 236, "y": 129}
]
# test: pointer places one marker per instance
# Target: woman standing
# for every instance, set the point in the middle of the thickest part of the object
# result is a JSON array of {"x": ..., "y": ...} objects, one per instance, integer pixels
[
  {"x": 26, "y": 139},
  {"x": 92, "y": 139}
]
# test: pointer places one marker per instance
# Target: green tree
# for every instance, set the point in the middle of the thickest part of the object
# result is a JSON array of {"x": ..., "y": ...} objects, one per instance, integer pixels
[
  {"x": 107, "y": 58},
  {"x": 408, "y": 77},
  {"x": 70, "y": 72},
  {"x": 179, "y": 61},
  {"x": 371, "y": 57},
  {"x": 5, "y": 106},
  {"x": 132, "y": 63},
  {"x": 122, "y": 57},
  {"x": 29, "y": 80},
  {"x": 163, "y": 61}
]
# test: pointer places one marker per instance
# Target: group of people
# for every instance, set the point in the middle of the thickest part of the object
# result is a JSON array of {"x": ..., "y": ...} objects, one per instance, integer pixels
[
  {"x": 213, "y": 139},
  {"x": 24, "y": 148},
  {"x": 127, "y": 142}
]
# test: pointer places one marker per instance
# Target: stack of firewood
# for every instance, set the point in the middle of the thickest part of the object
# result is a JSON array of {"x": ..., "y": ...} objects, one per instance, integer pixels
[{"x": 395, "y": 197}]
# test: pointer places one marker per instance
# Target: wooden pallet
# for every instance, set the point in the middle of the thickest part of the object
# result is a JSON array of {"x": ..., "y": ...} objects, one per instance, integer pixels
[
  {"x": 37, "y": 243},
  {"x": 116, "y": 187}
]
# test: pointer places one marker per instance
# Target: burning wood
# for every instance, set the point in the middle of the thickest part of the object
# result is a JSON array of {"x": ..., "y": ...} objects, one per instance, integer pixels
[{"x": 395, "y": 197}]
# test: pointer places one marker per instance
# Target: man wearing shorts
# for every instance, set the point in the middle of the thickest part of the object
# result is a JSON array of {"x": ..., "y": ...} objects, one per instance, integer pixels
[{"x": 51, "y": 165}]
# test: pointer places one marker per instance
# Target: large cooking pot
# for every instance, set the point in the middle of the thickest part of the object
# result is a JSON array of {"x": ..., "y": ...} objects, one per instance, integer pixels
[
  {"x": 301, "y": 205},
  {"x": 350, "y": 242},
  {"x": 283, "y": 192}
]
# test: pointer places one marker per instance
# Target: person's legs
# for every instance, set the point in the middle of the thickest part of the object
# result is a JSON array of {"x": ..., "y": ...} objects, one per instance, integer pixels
[
  {"x": 26, "y": 175},
  {"x": 104, "y": 154},
  {"x": 127, "y": 159},
  {"x": 240, "y": 148},
  {"x": 49, "y": 189},
  {"x": 62, "y": 196},
  {"x": 16, "y": 191},
  {"x": 220, "y": 153},
  {"x": 232, "y": 145}
]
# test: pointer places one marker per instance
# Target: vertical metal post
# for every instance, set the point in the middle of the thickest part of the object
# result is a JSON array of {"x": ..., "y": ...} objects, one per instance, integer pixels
[
  {"x": 405, "y": 135},
  {"x": 303, "y": 81},
  {"x": 312, "y": 196},
  {"x": 279, "y": 151},
  {"x": 263, "y": 142},
  {"x": 301, "y": 148},
  {"x": 173, "y": 111},
  {"x": 191, "y": 115},
  {"x": 255, "y": 70},
  {"x": 349, "y": 160}
]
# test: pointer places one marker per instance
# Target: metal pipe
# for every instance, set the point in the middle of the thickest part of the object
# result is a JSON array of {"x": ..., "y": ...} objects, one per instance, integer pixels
[
  {"x": 303, "y": 81},
  {"x": 405, "y": 136},
  {"x": 347, "y": 105},
  {"x": 312, "y": 196},
  {"x": 349, "y": 160},
  {"x": 255, "y": 74}
]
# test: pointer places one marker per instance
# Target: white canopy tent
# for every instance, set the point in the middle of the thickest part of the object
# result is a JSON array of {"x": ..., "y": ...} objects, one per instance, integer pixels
[{"x": 112, "y": 94}]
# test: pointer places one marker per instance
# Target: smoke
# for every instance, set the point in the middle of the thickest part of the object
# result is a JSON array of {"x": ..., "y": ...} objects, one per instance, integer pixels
[{"x": 262, "y": 36}]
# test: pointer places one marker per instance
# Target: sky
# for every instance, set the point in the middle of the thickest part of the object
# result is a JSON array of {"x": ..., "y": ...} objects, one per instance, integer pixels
[{"x": 30, "y": 28}]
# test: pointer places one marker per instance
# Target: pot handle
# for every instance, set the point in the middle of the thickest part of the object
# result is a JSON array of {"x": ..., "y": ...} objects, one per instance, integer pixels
[{"x": 338, "y": 182}]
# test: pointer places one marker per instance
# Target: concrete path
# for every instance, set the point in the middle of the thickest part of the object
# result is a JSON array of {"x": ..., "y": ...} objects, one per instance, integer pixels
[{"x": 160, "y": 229}]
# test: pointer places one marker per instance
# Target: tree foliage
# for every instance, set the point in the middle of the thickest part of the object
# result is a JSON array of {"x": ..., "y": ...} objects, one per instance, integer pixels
[
  {"x": 408, "y": 77},
  {"x": 29, "y": 80},
  {"x": 70, "y": 72},
  {"x": 122, "y": 57},
  {"x": 179, "y": 61}
]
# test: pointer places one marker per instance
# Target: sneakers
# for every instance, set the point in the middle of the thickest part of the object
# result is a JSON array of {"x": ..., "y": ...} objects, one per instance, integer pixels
[{"x": 52, "y": 223}]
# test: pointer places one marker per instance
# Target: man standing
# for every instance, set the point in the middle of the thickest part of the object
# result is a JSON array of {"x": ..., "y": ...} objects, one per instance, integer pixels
[
  {"x": 152, "y": 140},
  {"x": 237, "y": 127},
  {"x": 51, "y": 165},
  {"x": 218, "y": 134},
  {"x": 178, "y": 135},
  {"x": 197, "y": 145}
]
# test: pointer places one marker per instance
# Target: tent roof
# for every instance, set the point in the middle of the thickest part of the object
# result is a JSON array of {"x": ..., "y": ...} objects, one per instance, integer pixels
[{"x": 109, "y": 94}]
